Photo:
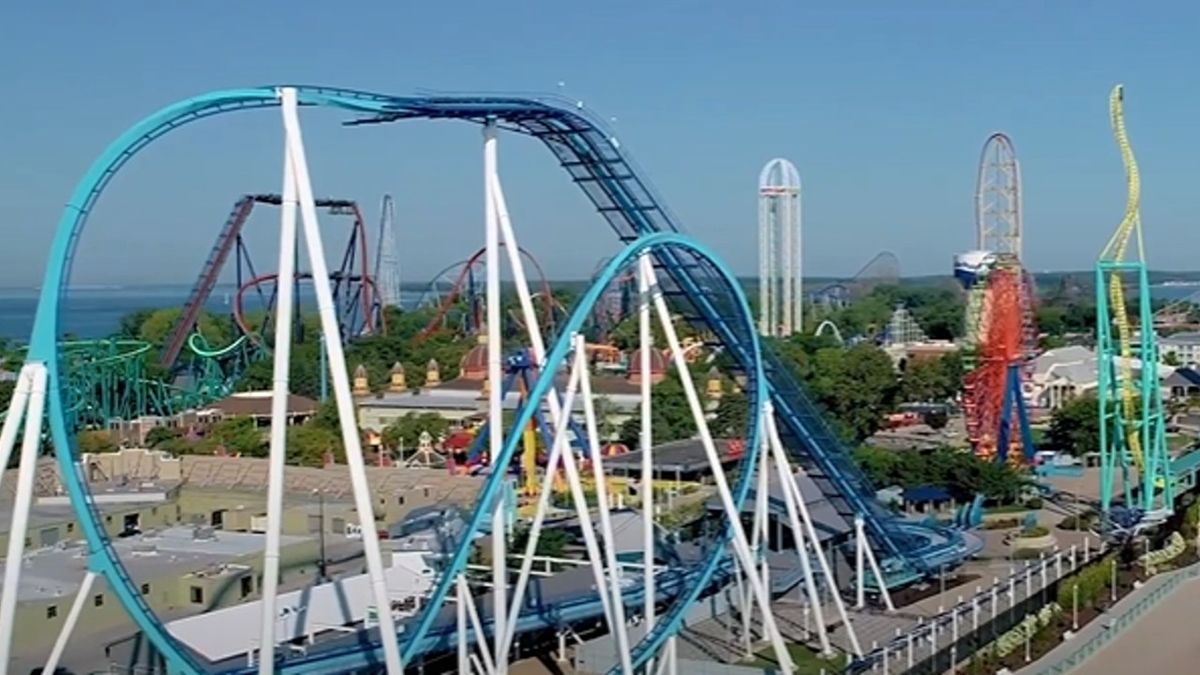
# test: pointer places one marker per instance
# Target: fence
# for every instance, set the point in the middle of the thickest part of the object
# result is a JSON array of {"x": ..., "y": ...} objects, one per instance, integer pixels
[
  {"x": 934, "y": 647},
  {"x": 1119, "y": 624}
]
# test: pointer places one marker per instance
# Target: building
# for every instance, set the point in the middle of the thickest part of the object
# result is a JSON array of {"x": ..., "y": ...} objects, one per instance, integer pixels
[
  {"x": 464, "y": 398},
  {"x": 253, "y": 404},
  {"x": 680, "y": 461},
  {"x": 1182, "y": 349},
  {"x": 1061, "y": 374},
  {"x": 179, "y": 570},
  {"x": 1181, "y": 384}
]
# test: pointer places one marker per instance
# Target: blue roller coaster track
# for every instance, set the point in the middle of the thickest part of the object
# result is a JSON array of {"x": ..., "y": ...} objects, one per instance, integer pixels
[{"x": 690, "y": 277}]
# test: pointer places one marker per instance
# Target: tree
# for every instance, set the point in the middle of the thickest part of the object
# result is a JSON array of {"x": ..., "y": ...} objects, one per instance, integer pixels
[
  {"x": 856, "y": 386},
  {"x": 1075, "y": 427},
  {"x": 159, "y": 435},
  {"x": 961, "y": 474},
  {"x": 934, "y": 380},
  {"x": 407, "y": 429},
  {"x": 732, "y": 416},
  {"x": 95, "y": 441},
  {"x": 237, "y": 435},
  {"x": 670, "y": 417},
  {"x": 308, "y": 444},
  {"x": 1172, "y": 359},
  {"x": 605, "y": 410}
]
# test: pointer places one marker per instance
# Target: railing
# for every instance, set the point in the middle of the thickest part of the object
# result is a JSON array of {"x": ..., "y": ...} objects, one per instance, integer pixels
[{"x": 1119, "y": 624}]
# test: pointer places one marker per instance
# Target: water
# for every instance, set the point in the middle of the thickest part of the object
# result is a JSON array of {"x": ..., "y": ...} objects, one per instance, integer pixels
[{"x": 96, "y": 312}]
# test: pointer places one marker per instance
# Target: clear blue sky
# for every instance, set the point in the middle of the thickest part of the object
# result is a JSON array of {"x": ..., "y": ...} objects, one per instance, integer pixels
[{"x": 882, "y": 105}]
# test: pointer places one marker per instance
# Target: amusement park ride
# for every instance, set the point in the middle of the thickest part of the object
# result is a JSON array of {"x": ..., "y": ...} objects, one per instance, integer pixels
[
  {"x": 1001, "y": 337},
  {"x": 1133, "y": 443}
]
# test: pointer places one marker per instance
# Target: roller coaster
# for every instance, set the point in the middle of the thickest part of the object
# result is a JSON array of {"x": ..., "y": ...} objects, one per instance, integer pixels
[
  {"x": 1133, "y": 446},
  {"x": 676, "y": 277},
  {"x": 121, "y": 378}
]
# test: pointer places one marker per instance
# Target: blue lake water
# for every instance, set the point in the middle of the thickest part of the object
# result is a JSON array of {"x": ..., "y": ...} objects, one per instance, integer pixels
[{"x": 96, "y": 312}]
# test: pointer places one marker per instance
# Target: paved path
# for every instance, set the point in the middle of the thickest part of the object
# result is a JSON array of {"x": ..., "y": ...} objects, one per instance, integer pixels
[{"x": 1164, "y": 642}]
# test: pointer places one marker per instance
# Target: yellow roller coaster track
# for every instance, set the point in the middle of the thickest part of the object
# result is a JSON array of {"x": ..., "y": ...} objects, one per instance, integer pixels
[{"x": 1115, "y": 251}]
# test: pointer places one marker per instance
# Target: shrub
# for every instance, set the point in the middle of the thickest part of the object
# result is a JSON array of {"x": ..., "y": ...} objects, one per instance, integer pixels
[
  {"x": 1035, "y": 531},
  {"x": 1001, "y": 524},
  {"x": 1086, "y": 521},
  {"x": 1093, "y": 582}
]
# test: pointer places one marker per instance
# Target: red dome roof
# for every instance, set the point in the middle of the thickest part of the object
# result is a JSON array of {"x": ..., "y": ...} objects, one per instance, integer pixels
[
  {"x": 658, "y": 366},
  {"x": 474, "y": 364}
]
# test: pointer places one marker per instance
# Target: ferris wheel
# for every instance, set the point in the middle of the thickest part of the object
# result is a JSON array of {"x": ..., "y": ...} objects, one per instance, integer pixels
[{"x": 1001, "y": 336}]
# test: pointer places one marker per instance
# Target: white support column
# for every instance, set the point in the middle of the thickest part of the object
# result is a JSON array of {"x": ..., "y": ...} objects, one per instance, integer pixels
[
  {"x": 341, "y": 388},
  {"x": 279, "y": 400},
  {"x": 610, "y": 555},
  {"x": 476, "y": 625},
  {"x": 16, "y": 413},
  {"x": 874, "y": 564},
  {"x": 758, "y": 531},
  {"x": 741, "y": 546},
  {"x": 646, "y": 439},
  {"x": 783, "y": 221},
  {"x": 798, "y": 257},
  {"x": 765, "y": 277},
  {"x": 495, "y": 375},
  {"x": 557, "y": 416},
  {"x": 460, "y": 612},
  {"x": 60, "y": 645},
  {"x": 559, "y": 445},
  {"x": 860, "y": 562},
  {"x": 35, "y": 375},
  {"x": 799, "y": 534},
  {"x": 811, "y": 530}
]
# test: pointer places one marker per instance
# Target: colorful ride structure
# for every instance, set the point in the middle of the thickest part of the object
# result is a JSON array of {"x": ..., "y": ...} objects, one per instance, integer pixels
[
  {"x": 1133, "y": 445},
  {"x": 461, "y": 308},
  {"x": 678, "y": 280},
  {"x": 1000, "y": 335}
]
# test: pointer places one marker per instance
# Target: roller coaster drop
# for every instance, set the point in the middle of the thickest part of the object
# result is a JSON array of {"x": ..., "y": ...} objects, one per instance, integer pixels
[{"x": 783, "y": 427}]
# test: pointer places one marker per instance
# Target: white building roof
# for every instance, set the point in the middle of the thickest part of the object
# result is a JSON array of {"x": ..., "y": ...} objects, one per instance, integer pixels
[{"x": 234, "y": 631}]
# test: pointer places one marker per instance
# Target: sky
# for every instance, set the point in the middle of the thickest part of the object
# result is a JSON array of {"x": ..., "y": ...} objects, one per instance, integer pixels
[{"x": 883, "y": 106}]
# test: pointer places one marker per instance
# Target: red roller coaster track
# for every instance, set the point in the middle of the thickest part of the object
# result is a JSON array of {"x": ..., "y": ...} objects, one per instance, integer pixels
[
  {"x": 456, "y": 290},
  {"x": 228, "y": 240}
]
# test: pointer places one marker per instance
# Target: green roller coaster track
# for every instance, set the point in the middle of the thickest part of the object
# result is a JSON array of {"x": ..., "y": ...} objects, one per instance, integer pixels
[{"x": 116, "y": 378}]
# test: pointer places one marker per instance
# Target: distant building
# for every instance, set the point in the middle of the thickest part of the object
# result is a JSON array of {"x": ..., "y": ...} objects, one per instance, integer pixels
[
  {"x": 1185, "y": 347},
  {"x": 1183, "y": 383},
  {"x": 1060, "y": 375},
  {"x": 464, "y": 398}
]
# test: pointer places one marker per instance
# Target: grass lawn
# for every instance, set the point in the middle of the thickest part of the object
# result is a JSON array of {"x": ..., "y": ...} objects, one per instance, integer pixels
[{"x": 807, "y": 661}]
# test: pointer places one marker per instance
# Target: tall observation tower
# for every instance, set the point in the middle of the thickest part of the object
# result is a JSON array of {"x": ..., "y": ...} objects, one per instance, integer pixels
[
  {"x": 387, "y": 264},
  {"x": 780, "y": 298}
]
